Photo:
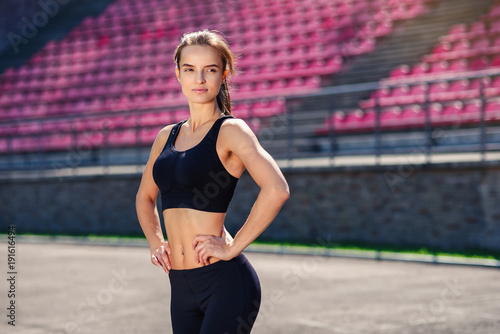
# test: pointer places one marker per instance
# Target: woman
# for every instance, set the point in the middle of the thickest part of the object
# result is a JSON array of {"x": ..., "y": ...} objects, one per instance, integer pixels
[{"x": 195, "y": 164}]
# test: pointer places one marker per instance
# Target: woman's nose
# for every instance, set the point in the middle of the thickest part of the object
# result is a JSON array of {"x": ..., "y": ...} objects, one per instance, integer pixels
[{"x": 200, "y": 78}]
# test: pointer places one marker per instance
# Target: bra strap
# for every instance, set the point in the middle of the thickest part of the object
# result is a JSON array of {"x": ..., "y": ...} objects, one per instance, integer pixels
[
  {"x": 216, "y": 128},
  {"x": 174, "y": 132}
]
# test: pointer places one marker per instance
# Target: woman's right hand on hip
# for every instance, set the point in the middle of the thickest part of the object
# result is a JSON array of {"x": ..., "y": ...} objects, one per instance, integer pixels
[{"x": 159, "y": 257}]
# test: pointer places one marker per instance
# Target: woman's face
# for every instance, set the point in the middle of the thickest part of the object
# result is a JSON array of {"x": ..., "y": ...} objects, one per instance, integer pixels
[{"x": 201, "y": 73}]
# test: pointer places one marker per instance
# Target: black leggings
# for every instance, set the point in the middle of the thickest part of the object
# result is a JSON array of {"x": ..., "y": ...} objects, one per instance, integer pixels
[{"x": 220, "y": 298}]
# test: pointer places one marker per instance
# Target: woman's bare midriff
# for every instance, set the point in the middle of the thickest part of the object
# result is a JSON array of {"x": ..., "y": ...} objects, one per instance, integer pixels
[{"x": 182, "y": 225}]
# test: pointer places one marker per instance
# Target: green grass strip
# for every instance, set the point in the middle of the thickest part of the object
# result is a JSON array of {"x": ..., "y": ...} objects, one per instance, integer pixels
[{"x": 298, "y": 246}]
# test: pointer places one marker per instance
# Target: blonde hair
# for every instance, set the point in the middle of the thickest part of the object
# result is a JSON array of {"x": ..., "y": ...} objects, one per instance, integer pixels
[{"x": 214, "y": 39}]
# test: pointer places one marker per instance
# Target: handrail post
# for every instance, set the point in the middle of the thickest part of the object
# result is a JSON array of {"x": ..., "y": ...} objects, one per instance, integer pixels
[
  {"x": 74, "y": 141},
  {"x": 427, "y": 127},
  {"x": 42, "y": 153},
  {"x": 331, "y": 130},
  {"x": 482, "y": 122},
  {"x": 138, "y": 142},
  {"x": 105, "y": 141},
  {"x": 289, "y": 141},
  {"x": 377, "y": 128}
]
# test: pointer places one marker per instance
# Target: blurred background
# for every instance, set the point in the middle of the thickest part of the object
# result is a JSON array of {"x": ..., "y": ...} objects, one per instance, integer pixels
[{"x": 383, "y": 114}]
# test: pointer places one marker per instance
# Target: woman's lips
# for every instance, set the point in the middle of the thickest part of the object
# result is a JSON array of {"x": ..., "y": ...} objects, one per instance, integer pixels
[{"x": 200, "y": 90}]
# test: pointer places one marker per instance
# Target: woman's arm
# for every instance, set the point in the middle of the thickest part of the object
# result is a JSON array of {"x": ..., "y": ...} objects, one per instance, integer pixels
[
  {"x": 274, "y": 191},
  {"x": 147, "y": 212}
]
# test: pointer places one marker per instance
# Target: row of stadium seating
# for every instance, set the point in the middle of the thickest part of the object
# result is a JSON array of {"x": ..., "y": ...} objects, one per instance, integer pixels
[
  {"x": 457, "y": 113},
  {"x": 285, "y": 51},
  {"x": 121, "y": 61},
  {"x": 262, "y": 108},
  {"x": 434, "y": 79}
]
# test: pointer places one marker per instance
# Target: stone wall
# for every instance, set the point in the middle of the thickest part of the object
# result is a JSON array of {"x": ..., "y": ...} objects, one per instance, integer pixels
[
  {"x": 449, "y": 207},
  {"x": 446, "y": 208}
]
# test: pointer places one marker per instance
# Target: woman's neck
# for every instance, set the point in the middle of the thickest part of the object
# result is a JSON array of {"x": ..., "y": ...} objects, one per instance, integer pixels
[{"x": 201, "y": 114}]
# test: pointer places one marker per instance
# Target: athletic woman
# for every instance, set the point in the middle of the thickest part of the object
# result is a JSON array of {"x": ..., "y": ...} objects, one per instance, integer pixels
[{"x": 195, "y": 164}]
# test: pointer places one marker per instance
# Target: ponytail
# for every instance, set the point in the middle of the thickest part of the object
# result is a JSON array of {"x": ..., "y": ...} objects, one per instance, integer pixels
[{"x": 223, "y": 98}]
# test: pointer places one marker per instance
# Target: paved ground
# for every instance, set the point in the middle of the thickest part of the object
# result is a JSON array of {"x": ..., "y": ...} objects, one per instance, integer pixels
[{"x": 110, "y": 289}]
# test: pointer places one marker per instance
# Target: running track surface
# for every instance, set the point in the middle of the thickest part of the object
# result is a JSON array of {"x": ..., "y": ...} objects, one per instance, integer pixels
[{"x": 64, "y": 288}]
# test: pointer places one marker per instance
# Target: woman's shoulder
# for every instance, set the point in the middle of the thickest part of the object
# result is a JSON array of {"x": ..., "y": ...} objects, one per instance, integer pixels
[
  {"x": 236, "y": 130},
  {"x": 163, "y": 134},
  {"x": 165, "y": 131},
  {"x": 234, "y": 124}
]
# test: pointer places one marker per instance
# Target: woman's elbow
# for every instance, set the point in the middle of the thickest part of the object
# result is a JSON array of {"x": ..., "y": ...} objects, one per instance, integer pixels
[
  {"x": 286, "y": 194},
  {"x": 281, "y": 193}
]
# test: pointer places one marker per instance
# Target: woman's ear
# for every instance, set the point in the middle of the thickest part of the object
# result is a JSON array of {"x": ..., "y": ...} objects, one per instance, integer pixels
[{"x": 177, "y": 73}]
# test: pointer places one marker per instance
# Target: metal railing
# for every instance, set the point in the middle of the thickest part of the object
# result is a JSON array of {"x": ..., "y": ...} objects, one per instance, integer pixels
[{"x": 288, "y": 135}]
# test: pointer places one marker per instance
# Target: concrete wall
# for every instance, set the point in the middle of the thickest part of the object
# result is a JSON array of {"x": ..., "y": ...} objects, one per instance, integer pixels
[{"x": 447, "y": 207}]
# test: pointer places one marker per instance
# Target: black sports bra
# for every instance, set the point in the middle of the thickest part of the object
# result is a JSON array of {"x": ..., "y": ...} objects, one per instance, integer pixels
[{"x": 194, "y": 178}]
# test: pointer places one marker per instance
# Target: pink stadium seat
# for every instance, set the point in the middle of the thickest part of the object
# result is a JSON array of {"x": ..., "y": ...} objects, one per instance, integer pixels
[
  {"x": 436, "y": 114},
  {"x": 122, "y": 137},
  {"x": 337, "y": 122},
  {"x": 379, "y": 94},
  {"x": 481, "y": 44},
  {"x": 401, "y": 95},
  {"x": 478, "y": 28},
  {"x": 459, "y": 88},
  {"x": 493, "y": 87},
  {"x": 439, "y": 66},
  {"x": 478, "y": 83},
  {"x": 458, "y": 65},
  {"x": 453, "y": 113},
  {"x": 438, "y": 90},
  {"x": 472, "y": 110},
  {"x": 264, "y": 108},
  {"x": 354, "y": 120},
  {"x": 413, "y": 116},
  {"x": 495, "y": 10},
  {"x": 418, "y": 93},
  {"x": 26, "y": 144},
  {"x": 400, "y": 71},
  {"x": 495, "y": 62},
  {"x": 496, "y": 42},
  {"x": 461, "y": 45},
  {"x": 368, "y": 122},
  {"x": 29, "y": 129},
  {"x": 4, "y": 145},
  {"x": 442, "y": 47},
  {"x": 420, "y": 69},
  {"x": 479, "y": 63},
  {"x": 494, "y": 26},
  {"x": 383, "y": 28},
  {"x": 492, "y": 109},
  {"x": 57, "y": 142},
  {"x": 391, "y": 118},
  {"x": 147, "y": 135}
]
